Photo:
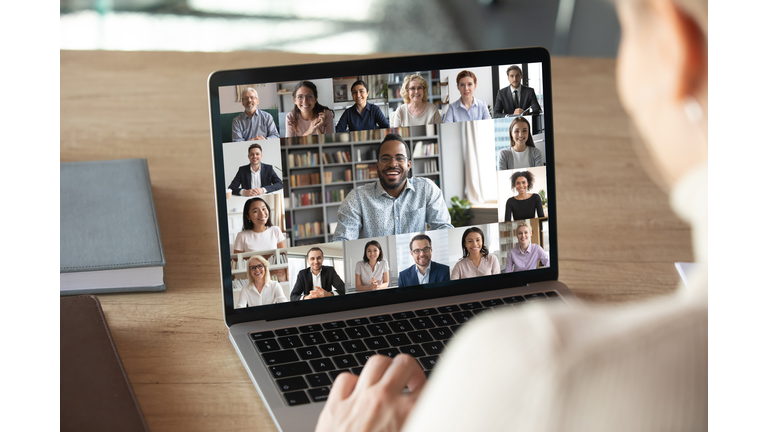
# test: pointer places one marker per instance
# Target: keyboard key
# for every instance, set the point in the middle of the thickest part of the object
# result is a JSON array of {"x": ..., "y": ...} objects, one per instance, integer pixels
[
  {"x": 336, "y": 373},
  {"x": 390, "y": 352},
  {"x": 318, "y": 380},
  {"x": 358, "y": 322},
  {"x": 433, "y": 348},
  {"x": 379, "y": 329},
  {"x": 363, "y": 357},
  {"x": 288, "y": 342},
  {"x": 441, "y": 333},
  {"x": 470, "y": 306},
  {"x": 319, "y": 394},
  {"x": 335, "y": 335},
  {"x": 291, "y": 384},
  {"x": 398, "y": 339},
  {"x": 322, "y": 365},
  {"x": 401, "y": 326},
  {"x": 344, "y": 361},
  {"x": 426, "y": 312},
  {"x": 413, "y": 350},
  {"x": 332, "y": 349},
  {"x": 377, "y": 342},
  {"x": 552, "y": 294},
  {"x": 428, "y": 362},
  {"x": 279, "y": 357},
  {"x": 290, "y": 369},
  {"x": 381, "y": 318},
  {"x": 357, "y": 370},
  {"x": 296, "y": 398},
  {"x": 309, "y": 353},
  {"x": 443, "y": 320},
  {"x": 357, "y": 332},
  {"x": 312, "y": 338},
  {"x": 482, "y": 312},
  {"x": 420, "y": 336},
  {"x": 267, "y": 345},
  {"x": 449, "y": 309},
  {"x": 463, "y": 316},
  {"x": 422, "y": 323},
  {"x": 492, "y": 303},
  {"x": 513, "y": 299},
  {"x": 354, "y": 346},
  {"x": 535, "y": 296},
  {"x": 290, "y": 331},
  {"x": 311, "y": 328},
  {"x": 262, "y": 335},
  {"x": 403, "y": 315},
  {"x": 334, "y": 325}
]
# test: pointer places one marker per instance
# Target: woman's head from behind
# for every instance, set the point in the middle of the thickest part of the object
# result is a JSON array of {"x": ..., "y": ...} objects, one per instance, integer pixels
[
  {"x": 520, "y": 132},
  {"x": 662, "y": 80},
  {"x": 473, "y": 240},
  {"x": 256, "y": 212}
]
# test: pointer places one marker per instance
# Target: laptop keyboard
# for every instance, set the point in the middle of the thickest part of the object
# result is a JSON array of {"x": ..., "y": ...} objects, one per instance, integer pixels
[{"x": 304, "y": 361}]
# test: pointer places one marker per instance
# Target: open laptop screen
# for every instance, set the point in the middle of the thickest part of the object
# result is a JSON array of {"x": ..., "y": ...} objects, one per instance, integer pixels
[{"x": 340, "y": 180}]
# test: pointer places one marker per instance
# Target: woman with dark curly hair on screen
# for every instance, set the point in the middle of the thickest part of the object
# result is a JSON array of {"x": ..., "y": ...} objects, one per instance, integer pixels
[{"x": 524, "y": 204}]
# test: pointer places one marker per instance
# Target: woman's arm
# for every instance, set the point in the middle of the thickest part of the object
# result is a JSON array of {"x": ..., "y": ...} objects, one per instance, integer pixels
[
  {"x": 508, "y": 211},
  {"x": 381, "y": 120},
  {"x": 384, "y": 281},
  {"x": 539, "y": 206}
]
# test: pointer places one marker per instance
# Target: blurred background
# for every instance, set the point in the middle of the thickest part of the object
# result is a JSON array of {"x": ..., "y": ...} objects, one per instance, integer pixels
[{"x": 565, "y": 27}]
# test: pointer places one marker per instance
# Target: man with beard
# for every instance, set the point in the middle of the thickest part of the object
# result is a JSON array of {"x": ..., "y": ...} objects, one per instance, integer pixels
[
  {"x": 395, "y": 204},
  {"x": 253, "y": 124}
]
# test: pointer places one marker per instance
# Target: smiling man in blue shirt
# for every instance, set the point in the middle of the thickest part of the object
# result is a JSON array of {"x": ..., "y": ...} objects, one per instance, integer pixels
[{"x": 394, "y": 204}]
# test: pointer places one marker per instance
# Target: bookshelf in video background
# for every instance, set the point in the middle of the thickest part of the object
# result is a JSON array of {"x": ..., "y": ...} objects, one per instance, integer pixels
[
  {"x": 321, "y": 170},
  {"x": 395, "y": 83},
  {"x": 278, "y": 268}
]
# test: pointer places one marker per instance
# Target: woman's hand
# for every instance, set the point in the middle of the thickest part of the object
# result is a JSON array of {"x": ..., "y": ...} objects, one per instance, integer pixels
[
  {"x": 315, "y": 123},
  {"x": 374, "y": 401}
]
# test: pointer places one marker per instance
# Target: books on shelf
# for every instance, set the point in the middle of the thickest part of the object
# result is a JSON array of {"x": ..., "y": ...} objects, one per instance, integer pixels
[
  {"x": 278, "y": 259},
  {"x": 430, "y": 166},
  {"x": 425, "y": 149},
  {"x": 366, "y": 172},
  {"x": 342, "y": 137},
  {"x": 308, "y": 229},
  {"x": 297, "y": 160},
  {"x": 305, "y": 199},
  {"x": 336, "y": 157},
  {"x": 335, "y": 196},
  {"x": 305, "y": 179}
]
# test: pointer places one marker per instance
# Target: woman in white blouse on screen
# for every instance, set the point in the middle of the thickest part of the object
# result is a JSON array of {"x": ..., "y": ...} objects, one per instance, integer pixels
[
  {"x": 261, "y": 290},
  {"x": 372, "y": 272},
  {"x": 258, "y": 233}
]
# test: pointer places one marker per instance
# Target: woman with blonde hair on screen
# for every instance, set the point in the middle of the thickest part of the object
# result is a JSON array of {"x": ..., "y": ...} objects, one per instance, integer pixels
[
  {"x": 417, "y": 110},
  {"x": 634, "y": 367},
  {"x": 261, "y": 290}
]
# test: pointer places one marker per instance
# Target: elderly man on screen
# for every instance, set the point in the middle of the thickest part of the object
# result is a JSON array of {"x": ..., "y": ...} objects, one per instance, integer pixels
[
  {"x": 395, "y": 204},
  {"x": 253, "y": 124}
]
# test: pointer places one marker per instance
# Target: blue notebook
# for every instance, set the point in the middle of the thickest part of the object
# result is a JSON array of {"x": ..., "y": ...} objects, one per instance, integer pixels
[{"x": 109, "y": 240}]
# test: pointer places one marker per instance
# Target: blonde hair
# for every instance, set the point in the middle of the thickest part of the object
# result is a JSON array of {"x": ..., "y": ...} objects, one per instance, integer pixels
[
  {"x": 407, "y": 81},
  {"x": 523, "y": 224},
  {"x": 262, "y": 261}
]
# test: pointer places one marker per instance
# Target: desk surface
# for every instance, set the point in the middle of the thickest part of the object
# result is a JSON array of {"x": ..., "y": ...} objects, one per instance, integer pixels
[{"x": 618, "y": 237}]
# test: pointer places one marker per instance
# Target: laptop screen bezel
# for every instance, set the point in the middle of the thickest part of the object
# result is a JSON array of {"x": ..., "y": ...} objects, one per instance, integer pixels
[{"x": 388, "y": 65}]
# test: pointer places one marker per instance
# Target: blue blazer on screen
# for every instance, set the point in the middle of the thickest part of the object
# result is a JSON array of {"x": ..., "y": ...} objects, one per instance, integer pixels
[
  {"x": 269, "y": 179},
  {"x": 437, "y": 273}
]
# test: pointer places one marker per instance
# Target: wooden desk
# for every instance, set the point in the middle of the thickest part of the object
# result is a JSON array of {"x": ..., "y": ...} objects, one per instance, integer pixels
[{"x": 618, "y": 238}]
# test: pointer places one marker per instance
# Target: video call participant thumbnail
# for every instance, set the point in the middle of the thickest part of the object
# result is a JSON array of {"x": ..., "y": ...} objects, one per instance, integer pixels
[
  {"x": 525, "y": 255},
  {"x": 308, "y": 116},
  {"x": 256, "y": 178},
  {"x": 372, "y": 272},
  {"x": 467, "y": 107},
  {"x": 524, "y": 204},
  {"x": 522, "y": 152},
  {"x": 476, "y": 260},
  {"x": 253, "y": 124},
  {"x": 517, "y": 98},
  {"x": 394, "y": 204},
  {"x": 425, "y": 270},
  {"x": 258, "y": 233},
  {"x": 362, "y": 115},
  {"x": 417, "y": 110},
  {"x": 317, "y": 280},
  {"x": 261, "y": 290}
]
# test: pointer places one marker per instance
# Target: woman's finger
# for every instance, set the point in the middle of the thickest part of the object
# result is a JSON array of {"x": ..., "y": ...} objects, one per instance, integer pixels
[{"x": 374, "y": 369}]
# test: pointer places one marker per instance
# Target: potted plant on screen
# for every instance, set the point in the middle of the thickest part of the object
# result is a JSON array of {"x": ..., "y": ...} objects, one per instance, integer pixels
[{"x": 460, "y": 211}]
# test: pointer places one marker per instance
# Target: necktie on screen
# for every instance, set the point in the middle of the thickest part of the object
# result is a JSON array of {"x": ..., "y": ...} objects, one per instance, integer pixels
[{"x": 516, "y": 100}]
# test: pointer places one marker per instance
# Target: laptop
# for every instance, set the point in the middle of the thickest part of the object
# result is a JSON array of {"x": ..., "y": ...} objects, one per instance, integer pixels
[{"x": 375, "y": 206}]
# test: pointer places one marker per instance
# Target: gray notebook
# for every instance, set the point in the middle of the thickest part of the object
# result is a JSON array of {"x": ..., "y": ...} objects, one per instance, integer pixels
[{"x": 110, "y": 241}]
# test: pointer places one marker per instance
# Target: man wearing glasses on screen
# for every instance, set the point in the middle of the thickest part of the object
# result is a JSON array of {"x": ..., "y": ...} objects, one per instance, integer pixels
[
  {"x": 395, "y": 204},
  {"x": 425, "y": 270}
]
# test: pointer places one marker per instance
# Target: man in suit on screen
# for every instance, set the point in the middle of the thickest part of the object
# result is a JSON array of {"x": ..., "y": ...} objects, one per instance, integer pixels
[
  {"x": 425, "y": 270},
  {"x": 516, "y": 98}
]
